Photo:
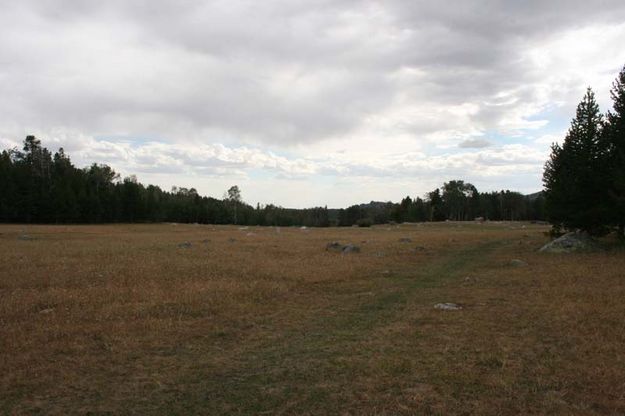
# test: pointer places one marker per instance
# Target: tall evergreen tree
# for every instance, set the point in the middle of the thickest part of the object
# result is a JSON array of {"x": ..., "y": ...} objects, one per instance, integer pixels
[
  {"x": 575, "y": 174},
  {"x": 614, "y": 134}
]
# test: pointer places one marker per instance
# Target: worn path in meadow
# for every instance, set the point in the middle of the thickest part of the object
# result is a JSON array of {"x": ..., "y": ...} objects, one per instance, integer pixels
[{"x": 332, "y": 357}]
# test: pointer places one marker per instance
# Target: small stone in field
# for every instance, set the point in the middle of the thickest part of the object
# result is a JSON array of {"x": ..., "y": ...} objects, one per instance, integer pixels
[
  {"x": 25, "y": 237},
  {"x": 46, "y": 311},
  {"x": 405, "y": 240},
  {"x": 350, "y": 248},
  {"x": 419, "y": 248},
  {"x": 447, "y": 306},
  {"x": 517, "y": 263},
  {"x": 186, "y": 244}
]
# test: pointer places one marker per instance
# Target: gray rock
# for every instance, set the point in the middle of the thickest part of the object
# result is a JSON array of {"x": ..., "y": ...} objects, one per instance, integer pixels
[
  {"x": 186, "y": 244},
  {"x": 447, "y": 306},
  {"x": 334, "y": 246},
  {"x": 350, "y": 248},
  {"x": 517, "y": 263},
  {"x": 26, "y": 237},
  {"x": 405, "y": 240},
  {"x": 419, "y": 248},
  {"x": 339, "y": 248},
  {"x": 575, "y": 241}
]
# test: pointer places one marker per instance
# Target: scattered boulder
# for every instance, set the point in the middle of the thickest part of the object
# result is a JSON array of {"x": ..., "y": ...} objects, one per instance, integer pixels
[
  {"x": 26, "y": 237},
  {"x": 350, "y": 248},
  {"x": 186, "y": 244},
  {"x": 334, "y": 246},
  {"x": 518, "y": 263},
  {"x": 405, "y": 240},
  {"x": 340, "y": 248},
  {"x": 46, "y": 311},
  {"x": 419, "y": 248},
  {"x": 574, "y": 241},
  {"x": 447, "y": 306}
]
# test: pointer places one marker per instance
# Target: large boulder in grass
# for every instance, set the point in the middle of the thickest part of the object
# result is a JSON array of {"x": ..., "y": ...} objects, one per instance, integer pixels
[{"x": 575, "y": 241}]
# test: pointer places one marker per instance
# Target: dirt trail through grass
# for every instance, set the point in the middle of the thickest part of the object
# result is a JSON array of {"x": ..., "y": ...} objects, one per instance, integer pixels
[{"x": 329, "y": 360}]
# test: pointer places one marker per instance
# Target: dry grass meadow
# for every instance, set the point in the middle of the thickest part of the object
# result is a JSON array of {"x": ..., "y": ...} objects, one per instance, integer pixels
[{"x": 118, "y": 319}]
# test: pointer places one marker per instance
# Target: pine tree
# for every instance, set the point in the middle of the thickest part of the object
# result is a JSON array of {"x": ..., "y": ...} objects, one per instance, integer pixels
[
  {"x": 575, "y": 174},
  {"x": 614, "y": 136}
]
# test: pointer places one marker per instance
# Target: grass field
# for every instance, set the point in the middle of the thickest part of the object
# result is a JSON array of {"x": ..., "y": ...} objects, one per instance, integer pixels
[{"x": 120, "y": 319}]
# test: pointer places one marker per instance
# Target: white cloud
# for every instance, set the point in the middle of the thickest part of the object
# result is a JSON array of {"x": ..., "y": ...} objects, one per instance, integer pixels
[{"x": 376, "y": 95}]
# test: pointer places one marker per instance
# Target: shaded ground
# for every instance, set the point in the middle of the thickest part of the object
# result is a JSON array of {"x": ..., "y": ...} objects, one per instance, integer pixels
[{"x": 124, "y": 319}]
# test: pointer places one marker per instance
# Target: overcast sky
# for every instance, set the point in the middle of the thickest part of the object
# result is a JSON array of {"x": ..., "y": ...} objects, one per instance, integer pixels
[{"x": 304, "y": 103}]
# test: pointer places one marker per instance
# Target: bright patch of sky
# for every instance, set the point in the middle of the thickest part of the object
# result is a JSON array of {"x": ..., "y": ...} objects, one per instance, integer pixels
[{"x": 306, "y": 103}]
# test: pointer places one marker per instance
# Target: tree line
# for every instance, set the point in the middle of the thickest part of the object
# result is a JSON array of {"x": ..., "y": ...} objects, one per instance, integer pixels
[
  {"x": 584, "y": 177},
  {"x": 37, "y": 186},
  {"x": 454, "y": 201}
]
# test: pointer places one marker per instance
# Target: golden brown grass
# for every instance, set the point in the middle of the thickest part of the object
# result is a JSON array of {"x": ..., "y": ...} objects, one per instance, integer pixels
[{"x": 119, "y": 319}]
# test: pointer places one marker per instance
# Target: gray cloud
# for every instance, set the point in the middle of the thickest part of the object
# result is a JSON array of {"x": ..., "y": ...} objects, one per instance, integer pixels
[
  {"x": 272, "y": 72},
  {"x": 282, "y": 75},
  {"x": 474, "y": 144}
]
